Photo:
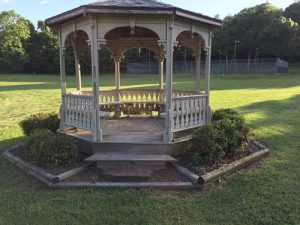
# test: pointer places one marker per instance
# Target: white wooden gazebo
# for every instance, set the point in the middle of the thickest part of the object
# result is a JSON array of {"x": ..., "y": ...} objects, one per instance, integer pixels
[{"x": 121, "y": 24}]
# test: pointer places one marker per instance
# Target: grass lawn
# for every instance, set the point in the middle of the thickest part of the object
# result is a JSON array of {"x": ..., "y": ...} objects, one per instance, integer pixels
[{"x": 268, "y": 195}]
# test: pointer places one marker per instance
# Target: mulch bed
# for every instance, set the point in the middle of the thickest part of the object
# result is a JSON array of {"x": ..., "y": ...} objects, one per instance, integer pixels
[
  {"x": 92, "y": 174},
  {"x": 56, "y": 170},
  {"x": 203, "y": 169}
]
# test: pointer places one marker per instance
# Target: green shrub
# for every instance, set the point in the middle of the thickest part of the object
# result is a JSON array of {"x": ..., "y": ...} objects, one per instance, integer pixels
[
  {"x": 48, "y": 121},
  {"x": 207, "y": 145},
  {"x": 227, "y": 135},
  {"x": 226, "y": 114},
  {"x": 235, "y": 128},
  {"x": 44, "y": 148}
]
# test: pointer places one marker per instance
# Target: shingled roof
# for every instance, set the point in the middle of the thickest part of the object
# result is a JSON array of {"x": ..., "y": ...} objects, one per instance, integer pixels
[
  {"x": 131, "y": 7},
  {"x": 132, "y": 3}
]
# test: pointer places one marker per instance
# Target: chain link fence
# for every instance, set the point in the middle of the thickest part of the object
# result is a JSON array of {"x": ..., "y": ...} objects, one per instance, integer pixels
[{"x": 239, "y": 66}]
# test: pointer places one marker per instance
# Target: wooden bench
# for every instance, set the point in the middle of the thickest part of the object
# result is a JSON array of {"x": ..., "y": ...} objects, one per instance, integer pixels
[{"x": 129, "y": 106}]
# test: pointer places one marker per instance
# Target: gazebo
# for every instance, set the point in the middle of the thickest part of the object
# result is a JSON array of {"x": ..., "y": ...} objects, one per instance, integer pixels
[{"x": 118, "y": 25}]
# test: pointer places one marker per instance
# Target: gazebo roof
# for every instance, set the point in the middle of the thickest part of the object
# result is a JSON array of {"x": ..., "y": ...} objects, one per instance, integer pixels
[
  {"x": 135, "y": 7},
  {"x": 132, "y": 3}
]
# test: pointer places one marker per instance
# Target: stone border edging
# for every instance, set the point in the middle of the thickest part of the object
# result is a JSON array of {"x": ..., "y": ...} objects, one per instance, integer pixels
[
  {"x": 72, "y": 172},
  {"x": 39, "y": 173},
  {"x": 185, "y": 172},
  {"x": 212, "y": 176},
  {"x": 136, "y": 185},
  {"x": 57, "y": 181},
  {"x": 231, "y": 168},
  {"x": 31, "y": 169}
]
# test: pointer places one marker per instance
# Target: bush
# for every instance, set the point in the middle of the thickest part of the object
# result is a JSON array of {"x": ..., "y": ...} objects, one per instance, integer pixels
[
  {"x": 235, "y": 128},
  {"x": 48, "y": 121},
  {"x": 226, "y": 135},
  {"x": 207, "y": 145},
  {"x": 226, "y": 114},
  {"x": 44, "y": 148}
]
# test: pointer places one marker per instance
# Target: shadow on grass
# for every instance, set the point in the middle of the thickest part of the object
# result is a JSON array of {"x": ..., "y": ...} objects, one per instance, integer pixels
[
  {"x": 6, "y": 144},
  {"x": 279, "y": 121},
  {"x": 25, "y": 87}
]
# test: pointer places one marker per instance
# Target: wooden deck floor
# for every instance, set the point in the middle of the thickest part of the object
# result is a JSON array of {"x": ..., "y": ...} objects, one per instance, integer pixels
[{"x": 132, "y": 130}]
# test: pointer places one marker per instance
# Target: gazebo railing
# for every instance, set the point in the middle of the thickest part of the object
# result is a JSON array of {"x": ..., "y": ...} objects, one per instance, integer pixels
[
  {"x": 138, "y": 95},
  {"x": 78, "y": 111},
  {"x": 189, "y": 109},
  {"x": 188, "y": 112}
]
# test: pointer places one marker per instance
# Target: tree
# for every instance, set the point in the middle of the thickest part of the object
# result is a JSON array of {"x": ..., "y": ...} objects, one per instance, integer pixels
[
  {"x": 14, "y": 31},
  {"x": 262, "y": 28},
  {"x": 293, "y": 12},
  {"x": 42, "y": 50},
  {"x": 275, "y": 39}
]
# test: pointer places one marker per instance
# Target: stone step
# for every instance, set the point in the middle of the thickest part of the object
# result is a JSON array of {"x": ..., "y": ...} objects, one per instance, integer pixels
[
  {"x": 129, "y": 173},
  {"x": 115, "y": 161},
  {"x": 132, "y": 148},
  {"x": 116, "y": 157}
]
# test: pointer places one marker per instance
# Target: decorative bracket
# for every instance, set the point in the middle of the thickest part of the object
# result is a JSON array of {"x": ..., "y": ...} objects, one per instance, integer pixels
[
  {"x": 62, "y": 50},
  {"x": 175, "y": 44},
  {"x": 132, "y": 22},
  {"x": 206, "y": 49},
  {"x": 89, "y": 43},
  {"x": 193, "y": 30},
  {"x": 162, "y": 44},
  {"x": 117, "y": 58},
  {"x": 101, "y": 43}
]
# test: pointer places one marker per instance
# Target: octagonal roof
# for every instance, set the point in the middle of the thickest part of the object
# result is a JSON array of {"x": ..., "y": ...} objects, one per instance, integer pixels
[{"x": 143, "y": 7}]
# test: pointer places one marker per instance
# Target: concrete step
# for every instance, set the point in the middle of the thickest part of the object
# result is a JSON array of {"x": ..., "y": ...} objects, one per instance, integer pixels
[
  {"x": 129, "y": 162},
  {"x": 132, "y": 148},
  {"x": 129, "y": 173},
  {"x": 117, "y": 157}
]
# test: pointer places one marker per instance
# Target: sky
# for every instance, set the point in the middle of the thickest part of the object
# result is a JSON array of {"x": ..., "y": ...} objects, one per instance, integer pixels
[{"x": 35, "y": 10}]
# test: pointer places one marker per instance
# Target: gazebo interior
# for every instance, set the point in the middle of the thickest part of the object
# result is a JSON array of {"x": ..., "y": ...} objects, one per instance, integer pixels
[{"x": 133, "y": 115}]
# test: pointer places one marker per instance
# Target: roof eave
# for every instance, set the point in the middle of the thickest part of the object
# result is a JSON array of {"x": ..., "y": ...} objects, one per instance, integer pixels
[
  {"x": 83, "y": 10},
  {"x": 199, "y": 18}
]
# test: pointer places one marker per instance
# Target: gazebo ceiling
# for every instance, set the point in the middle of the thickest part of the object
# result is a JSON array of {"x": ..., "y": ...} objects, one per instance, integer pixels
[{"x": 131, "y": 7}]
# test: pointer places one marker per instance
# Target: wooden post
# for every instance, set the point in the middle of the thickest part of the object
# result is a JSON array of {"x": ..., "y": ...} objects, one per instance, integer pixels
[
  {"x": 168, "y": 136},
  {"x": 97, "y": 134},
  {"x": 117, "y": 60},
  {"x": 207, "y": 78},
  {"x": 161, "y": 73},
  {"x": 198, "y": 72},
  {"x": 77, "y": 71},
  {"x": 62, "y": 81}
]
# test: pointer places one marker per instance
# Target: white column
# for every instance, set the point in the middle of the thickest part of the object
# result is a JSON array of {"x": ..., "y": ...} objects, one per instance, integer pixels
[
  {"x": 207, "y": 78},
  {"x": 198, "y": 72},
  {"x": 97, "y": 134},
  {"x": 77, "y": 71},
  {"x": 168, "y": 136},
  {"x": 62, "y": 82},
  {"x": 117, "y": 60},
  {"x": 161, "y": 73},
  {"x": 207, "y": 71}
]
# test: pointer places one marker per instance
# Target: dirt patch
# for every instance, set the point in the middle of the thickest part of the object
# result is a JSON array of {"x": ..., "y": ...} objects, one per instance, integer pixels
[{"x": 204, "y": 168}]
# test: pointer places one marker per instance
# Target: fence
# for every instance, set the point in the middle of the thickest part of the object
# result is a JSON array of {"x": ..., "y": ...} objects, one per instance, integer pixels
[{"x": 239, "y": 66}]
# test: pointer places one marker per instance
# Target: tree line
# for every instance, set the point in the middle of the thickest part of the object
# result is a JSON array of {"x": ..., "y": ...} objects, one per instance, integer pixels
[{"x": 260, "y": 31}]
